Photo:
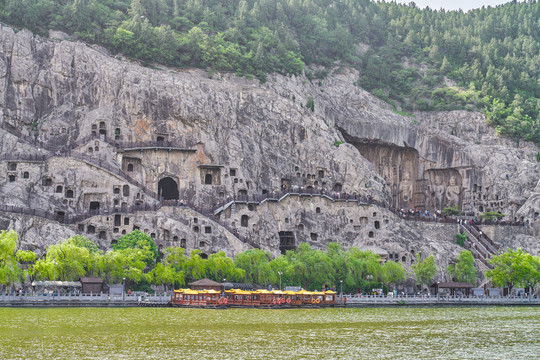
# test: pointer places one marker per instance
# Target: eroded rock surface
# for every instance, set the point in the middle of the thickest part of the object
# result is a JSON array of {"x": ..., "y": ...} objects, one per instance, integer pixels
[{"x": 84, "y": 131}]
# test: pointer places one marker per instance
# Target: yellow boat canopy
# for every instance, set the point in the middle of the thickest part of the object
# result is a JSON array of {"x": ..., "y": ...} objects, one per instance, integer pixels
[
  {"x": 191, "y": 292},
  {"x": 263, "y": 291},
  {"x": 243, "y": 292},
  {"x": 330, "y": 292},
  {"x": 181, "y": 290}
]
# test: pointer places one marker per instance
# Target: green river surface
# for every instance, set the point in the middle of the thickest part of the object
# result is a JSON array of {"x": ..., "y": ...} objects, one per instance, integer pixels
[{"x": 341, "y": 333}]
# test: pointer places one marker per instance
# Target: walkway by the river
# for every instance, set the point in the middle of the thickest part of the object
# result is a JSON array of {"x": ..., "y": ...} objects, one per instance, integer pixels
[
  {"x": 434, "y": 300},
  {"x": 163, "y": 299},
  {"x": 84, "y": 300}
]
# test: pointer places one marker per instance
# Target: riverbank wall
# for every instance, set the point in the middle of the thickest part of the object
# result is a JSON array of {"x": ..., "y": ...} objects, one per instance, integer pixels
[{"x": 103, "y": 300}]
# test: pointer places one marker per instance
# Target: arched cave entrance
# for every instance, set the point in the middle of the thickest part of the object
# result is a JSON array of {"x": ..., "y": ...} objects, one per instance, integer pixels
[
  {"x": 168, "y": 189},
  {"x": 244, "y": 221},
  {"x": 287, "y": 241}
]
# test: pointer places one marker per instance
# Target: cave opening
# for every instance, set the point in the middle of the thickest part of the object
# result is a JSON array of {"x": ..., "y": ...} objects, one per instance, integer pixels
[
  {"x": 287, "y": 241},
  {"x": 168, "y": 189}
]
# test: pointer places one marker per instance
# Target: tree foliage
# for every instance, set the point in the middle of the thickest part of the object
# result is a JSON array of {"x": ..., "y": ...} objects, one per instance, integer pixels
[
  {"x": 405, "y": 55},
  {"x": 141, "y": 241},
  {"x": 491, "y": 215},
  {"x": 464, "y": 269},
  {"x": 424, "y": 270},
  {"x": 312, "y": 269},
  {"x": 66, "y": 261},
  {"x": 256, "y": 266},
  {"x": 10, "y": 270},
  {"x": 27, "y": 258},
  {"x": 354, "y": 269},
  {"x": 129, "y": 264},
  {"x": 220, "y": 267},
  {"x": 451, "y": 211},
  {"x": 393, "y": 273},
  {"x": 514, "y": 268},
  {"x": 460, "y": 239},
  {"x": 83, "y": 242}
]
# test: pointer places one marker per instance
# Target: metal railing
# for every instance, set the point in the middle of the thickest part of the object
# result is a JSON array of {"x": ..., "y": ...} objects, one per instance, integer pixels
[
  {"x": 474, "y": 242},
  {"x": 62, "y": 147},
  {"x": 74, "y": 219},
  {"x": 483, "y": 238}
]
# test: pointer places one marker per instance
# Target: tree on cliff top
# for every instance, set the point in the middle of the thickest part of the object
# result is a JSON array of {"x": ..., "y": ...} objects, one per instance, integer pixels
[{"x": 404, "y": 54}]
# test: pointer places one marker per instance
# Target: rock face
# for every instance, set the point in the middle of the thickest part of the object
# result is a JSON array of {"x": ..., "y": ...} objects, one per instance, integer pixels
[{"x": 84, "y": 133}]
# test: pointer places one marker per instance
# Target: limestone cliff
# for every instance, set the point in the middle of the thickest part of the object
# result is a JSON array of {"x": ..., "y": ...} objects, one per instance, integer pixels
[{"x": 84, "y": 133}]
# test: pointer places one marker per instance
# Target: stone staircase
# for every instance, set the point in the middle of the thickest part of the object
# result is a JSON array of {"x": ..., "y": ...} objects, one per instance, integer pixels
[{"x": 479, "y": 244}]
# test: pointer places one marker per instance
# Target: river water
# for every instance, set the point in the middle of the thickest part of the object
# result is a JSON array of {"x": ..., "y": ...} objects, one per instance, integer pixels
[{"x": 360, "y": 333}]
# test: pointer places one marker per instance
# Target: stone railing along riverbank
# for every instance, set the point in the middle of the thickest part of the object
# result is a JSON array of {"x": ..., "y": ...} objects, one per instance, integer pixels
[
  {"x": 130, "y": 300},
  {"x": 83, "y": 300},
  {"x": 380, "y": 300}
]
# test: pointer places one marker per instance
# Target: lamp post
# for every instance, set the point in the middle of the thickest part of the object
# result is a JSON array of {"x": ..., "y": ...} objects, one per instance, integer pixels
[
  {"x": 54, "y": 275},
  {"x": 123, "y": 289},
  {"x": 223, "y": 291},
  {"x": 279, "y": 273},
  {"x": 341, "y": 288}
]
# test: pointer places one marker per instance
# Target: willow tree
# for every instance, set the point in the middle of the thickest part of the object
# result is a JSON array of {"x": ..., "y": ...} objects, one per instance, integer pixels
[
  {"x": 392, "y": 273},
  {"x": 28, "y": 258},
  {"x": 220, "y": 266},
  {"x": 363, "y": 269},
  {"x": 170, "y": 270},
  {"x": 195, "y": 266},
  {"x": 424, "y": 270},
  {"x": 311, "y": 267},
  {"x": 64, "y": 261},
  {"x": 10, "y": 270},
  {"x": 256, "y": 264}
]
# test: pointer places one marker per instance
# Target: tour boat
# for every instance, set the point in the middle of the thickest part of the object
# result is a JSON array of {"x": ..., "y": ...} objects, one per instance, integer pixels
[{"x": 258, "y": 298}]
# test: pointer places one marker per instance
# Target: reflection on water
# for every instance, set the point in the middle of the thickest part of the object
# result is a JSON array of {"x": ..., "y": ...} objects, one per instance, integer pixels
[{"x": 161, "y": 333}]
